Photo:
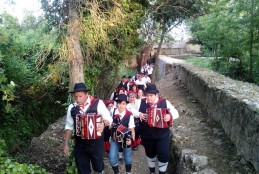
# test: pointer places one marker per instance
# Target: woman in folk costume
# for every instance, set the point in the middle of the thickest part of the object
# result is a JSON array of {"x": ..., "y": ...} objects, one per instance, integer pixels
[
  {"x": 133, "y": 106},
  {"x": 116, "y": 93},
  {"x": 133, "y": 87},
  {"x": 140, "y": 94},
  {"x": 86, "y": 151},
  {"x": 156, "y": 139},
  {"x": 123, "y": 121}
]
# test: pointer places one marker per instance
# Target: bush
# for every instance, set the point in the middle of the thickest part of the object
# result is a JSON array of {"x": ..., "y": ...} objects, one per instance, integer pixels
[
  {"x": 201, "y": 62},
  {"x": 8, "y": 166}
]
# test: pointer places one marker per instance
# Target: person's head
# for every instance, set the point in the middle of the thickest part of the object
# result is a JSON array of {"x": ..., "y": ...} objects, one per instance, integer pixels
[
  {"x": 120, "y": 91},
  {"x": 140, "y": 77},
  {"x": 132, "y": 96},
  {"x": 129, "y": 78},
  {"x": 80, "y": 93},
  {"x": 122, "y": 102},
  {"x": 140, "y": 93},
  {"x": 109, "y": 104},
  {"x": 124, "y": 79},
  {"x": 151, "y": 93},
  {"x": 134, "y": 87}
]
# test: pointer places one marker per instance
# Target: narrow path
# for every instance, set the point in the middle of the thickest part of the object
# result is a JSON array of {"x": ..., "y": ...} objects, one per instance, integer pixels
[
  {"x": 139, "y": 165},
  {"x": 193, "y": 130},
  {"x": 196, "y": 131}
]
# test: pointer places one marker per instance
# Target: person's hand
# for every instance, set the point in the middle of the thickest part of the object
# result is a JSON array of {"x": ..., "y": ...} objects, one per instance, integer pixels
[
  {"x": 128, "y": 142},
  {"x": 66, "y": 149},
  {"x": 167, "y": 117},
  {"x": 142, "y": 117},
  {"x": 106, "y": 122},
  {"x": 100, "y": 127}
]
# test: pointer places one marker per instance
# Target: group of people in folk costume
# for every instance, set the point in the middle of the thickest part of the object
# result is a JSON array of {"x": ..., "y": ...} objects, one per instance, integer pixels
[{"x": 124, "y": 111}]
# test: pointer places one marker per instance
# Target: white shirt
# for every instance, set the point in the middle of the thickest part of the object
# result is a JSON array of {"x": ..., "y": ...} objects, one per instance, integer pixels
[
  {"x": 134, "y": 108},
  {"x": 101, "y": 110},
  {"x": 112, "y": 96},
  {"x": 142, "y": 82},
  {"x": 149, "y": 70},
  {"x": 131, "y": 121},
  {"x": 144, "y": 68},
  {"x": 147, "y": 79},
  {"x": 171, "y": 108}
]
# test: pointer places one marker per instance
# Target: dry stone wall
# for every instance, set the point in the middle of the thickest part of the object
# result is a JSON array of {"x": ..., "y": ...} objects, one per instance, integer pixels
[{"x": 234, "y": 104}]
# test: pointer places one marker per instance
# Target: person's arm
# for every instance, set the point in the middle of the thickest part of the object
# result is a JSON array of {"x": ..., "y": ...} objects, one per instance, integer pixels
[
  {"x": 145, "y": 85},
  {"x": 134, "y": 111},
  {"x": 104, "y": 112},
  {"x": 132, "y": 127},
  {"x": 68, "y": 130},
  {"x": 172, "y": 110},
  {"x": 68, "y": 134},
  {"x": 133, "y": 133}
]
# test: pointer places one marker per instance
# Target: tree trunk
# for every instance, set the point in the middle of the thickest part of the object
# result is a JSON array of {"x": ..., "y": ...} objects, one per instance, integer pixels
[
  {"x": 75, "y": 57},
  {"x": 144, "y": 55},
  {"x": 158, "y": 53},
  {"x": 251, "y": 61},
  {"x": 251, "y": 56}
]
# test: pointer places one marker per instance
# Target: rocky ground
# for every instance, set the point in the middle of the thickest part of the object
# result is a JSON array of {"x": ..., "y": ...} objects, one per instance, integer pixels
[{"x": 200, "y": 141}]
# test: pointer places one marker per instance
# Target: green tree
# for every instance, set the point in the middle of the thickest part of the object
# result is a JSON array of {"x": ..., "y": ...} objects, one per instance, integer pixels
[
  {"x": 26, "y": 89},
  {"x": 103, "y": 34},
  {"x": 162, "y": 16},
  {"x": 230, "y": 30}
]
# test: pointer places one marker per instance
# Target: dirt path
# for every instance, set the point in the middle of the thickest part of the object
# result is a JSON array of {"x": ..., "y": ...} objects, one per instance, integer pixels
[
  {"x": 193, "y": 130},
  {"x": 139, "y": 165}
]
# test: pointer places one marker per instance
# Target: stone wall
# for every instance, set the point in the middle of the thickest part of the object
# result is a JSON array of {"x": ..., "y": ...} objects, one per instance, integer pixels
[{"x": 234, "y": 104}]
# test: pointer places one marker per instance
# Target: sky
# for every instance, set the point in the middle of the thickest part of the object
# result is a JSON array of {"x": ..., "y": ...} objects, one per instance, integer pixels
[{"x": 17, "y": 7}]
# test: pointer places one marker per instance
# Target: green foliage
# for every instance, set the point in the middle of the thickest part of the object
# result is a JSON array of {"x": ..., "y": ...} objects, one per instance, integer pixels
[
  {"x": 8, "y": 166},
  {"x": 109, "y": 37},
  {"x": 229, "y": 32},
  {"x": 71, "y": 169},
  {"x": 201, "y": 62},
  {"x": 32, "y": 95}
]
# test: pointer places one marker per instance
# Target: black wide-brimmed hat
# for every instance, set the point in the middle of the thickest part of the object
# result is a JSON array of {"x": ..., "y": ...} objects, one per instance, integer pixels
[
  {"x": 122, "y": 97},
  {"x": 79, "y": 87},
  {"x": 151, "y": 89}
]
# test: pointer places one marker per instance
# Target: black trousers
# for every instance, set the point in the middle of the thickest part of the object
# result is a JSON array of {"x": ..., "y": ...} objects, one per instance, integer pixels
[
  {"x": 89, "y": 151},
  {"x": 158, "y": 147}
]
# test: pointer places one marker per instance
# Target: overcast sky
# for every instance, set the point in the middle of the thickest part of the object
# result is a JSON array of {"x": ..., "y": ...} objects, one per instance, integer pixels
[{"x": 17, "y": 7}]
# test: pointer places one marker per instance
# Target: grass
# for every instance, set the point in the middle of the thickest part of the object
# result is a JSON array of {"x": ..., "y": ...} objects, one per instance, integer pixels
[{"x": 203, "y": 62}]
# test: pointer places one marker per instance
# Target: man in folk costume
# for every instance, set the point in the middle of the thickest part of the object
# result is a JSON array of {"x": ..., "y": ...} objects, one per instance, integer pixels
[
  {"x": 124, "y": 83},
  {"x": 141, "y": 82},
  {"x": 86, "y": 150},
  {"x": 122, "y": 120},
  {"x": 156, "y": 140}
]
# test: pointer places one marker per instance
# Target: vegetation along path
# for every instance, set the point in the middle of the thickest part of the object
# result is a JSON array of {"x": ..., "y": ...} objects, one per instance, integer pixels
[{"x": 194, "y": 131}]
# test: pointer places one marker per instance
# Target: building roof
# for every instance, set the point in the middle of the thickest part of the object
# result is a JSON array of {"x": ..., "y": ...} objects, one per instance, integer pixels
[{"x": 175, "y": 45}]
